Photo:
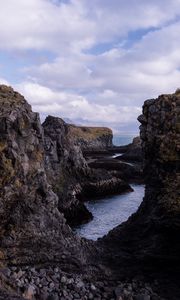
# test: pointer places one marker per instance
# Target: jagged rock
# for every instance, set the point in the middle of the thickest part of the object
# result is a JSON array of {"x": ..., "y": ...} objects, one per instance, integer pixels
[
  {"x": 69, "y": 174},
  {"x": 125, "y": 171},
  {"x": 31, "y": 227},
  {"x": 133, "y": 152},
  {"x": 34, "y": 232},
  {"x": 65, "y": 167},
  {"x": 91, "y": 138},
  {"x": 151, "y": 236},
  {"x": 101, "y": 188}
]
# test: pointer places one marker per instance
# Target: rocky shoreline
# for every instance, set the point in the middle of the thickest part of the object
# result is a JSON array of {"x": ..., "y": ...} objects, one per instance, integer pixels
[
  {"x": 50, "y": 283},
  {"x": 44, "y": 176}
]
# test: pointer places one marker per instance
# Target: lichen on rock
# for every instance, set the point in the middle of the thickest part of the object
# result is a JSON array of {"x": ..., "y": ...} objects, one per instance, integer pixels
[{"x": 32, "y": 229}]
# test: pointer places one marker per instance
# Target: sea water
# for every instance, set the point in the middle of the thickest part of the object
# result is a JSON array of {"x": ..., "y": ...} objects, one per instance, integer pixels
[
  {"x": 109, "y": 212},
  {"x": 121, "y": 140}
]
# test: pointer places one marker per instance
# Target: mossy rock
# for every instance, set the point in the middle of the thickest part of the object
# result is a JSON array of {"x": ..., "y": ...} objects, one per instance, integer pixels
[{"x": 2, "y": 146}]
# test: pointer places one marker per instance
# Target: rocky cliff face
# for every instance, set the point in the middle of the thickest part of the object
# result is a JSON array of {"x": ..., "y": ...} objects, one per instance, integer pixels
[
  {"x": 66, "y": 168},
  {"x": 149, "y": 240},
  {"x": 91, "y": 138},
  {"x": 160, "y": 134},
  {"x": 67, "y": 171},
  {"x": 32, "y": 229},
  {"x": 134, "y": 151}
]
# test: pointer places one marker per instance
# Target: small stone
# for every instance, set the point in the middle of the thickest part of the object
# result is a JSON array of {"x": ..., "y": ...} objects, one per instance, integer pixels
[
  {"x": 92, "y": 287},
  {"x": 63, "y": 279},
  {"x": 118, "y": 293},
  {"x": 44, "y": 281},
  {"x": 37, "y": 281},
  {"x": 129, "y": 288},
  {"x": 19, "y": 283},
  {"x": 56, "y": 270},
  {"x": 100, "y": 284},
  {"x": 42, "y": 272},
  {"x": 29, "y": 292},
  {"x": 7, "y": 272},
  {"x": 70, "y": 281},
  {"x": 77, "y": 296},
  {"x": 91, "y": 296},
  {"x": 51, "y": 285},
  {"x": 44, "y": 295},
  {"x": 33, "y": 271},
  {"x": 80, "y": 284}
]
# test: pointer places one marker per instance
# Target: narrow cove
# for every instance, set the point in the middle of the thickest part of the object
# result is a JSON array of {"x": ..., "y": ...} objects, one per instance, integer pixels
[{"x": 110, "y": 212}]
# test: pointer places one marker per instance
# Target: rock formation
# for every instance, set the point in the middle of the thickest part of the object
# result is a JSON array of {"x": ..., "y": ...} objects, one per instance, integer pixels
[
  {"x": 134, "y": 151},
  {"x": 32, "y": 229},
  {"x": 65, "y": 168},
  {"x": 70, "y": 176},
  {"x": 91, "y": 138},
  {"x": 149, "y": 240},
  {"x": 40, "y": 167}
]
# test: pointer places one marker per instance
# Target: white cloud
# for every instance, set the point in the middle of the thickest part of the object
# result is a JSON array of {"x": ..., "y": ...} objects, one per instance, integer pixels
[
  {"x": 119, "y": 76},
  {"x": 80, "y": 83},
  {"x": 74, "y": 106},
  {"x": 39, "y": 24},
  {"x": 78, "y": 24},
  {"x": 4, "y": 81}
]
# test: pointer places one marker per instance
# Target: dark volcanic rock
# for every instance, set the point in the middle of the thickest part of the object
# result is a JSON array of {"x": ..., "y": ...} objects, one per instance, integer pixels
[
  {"x": 102, "y": 188},
  {"x": 149, "y": 240},
  {"x": 69, "y": 174},
  {"x": 32, "y": 229},
  {"x": 125, "y": 171},
  {"x": 133, "y": 151},
  {"x": 65, "y": 169},
  {"x": 36, "y": 245},
  {"x": 91, "y": 138}
]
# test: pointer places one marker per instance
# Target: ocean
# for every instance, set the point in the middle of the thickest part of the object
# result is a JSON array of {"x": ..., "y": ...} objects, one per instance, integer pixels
[
  {"x": 121, "y": 140},
  {"x": 110, "y": 212}
]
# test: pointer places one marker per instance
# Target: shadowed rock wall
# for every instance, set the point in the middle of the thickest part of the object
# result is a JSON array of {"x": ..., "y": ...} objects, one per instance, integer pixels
[
  {"x": 150, "y": 238},
  {"x": 32, "y": 229}
]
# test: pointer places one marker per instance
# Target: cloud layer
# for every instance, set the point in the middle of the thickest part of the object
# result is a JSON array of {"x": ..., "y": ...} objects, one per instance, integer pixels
[{"x": 96, "y": 60}]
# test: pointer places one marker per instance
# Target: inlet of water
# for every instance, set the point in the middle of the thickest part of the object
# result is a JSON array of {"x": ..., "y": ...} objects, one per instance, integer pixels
[{"x": 110, "y": 212}]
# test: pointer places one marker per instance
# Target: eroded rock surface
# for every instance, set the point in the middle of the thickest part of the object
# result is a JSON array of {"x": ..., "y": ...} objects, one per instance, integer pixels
[
  {"x": 66, "y": 168},
  {"x": 69, "y": 174},
  {"x": 32, "y": 229},
  {"x": 134, "y": 151},
  {"x": 149, "y": 240},
  {"x": 91, "y": 138},
  {"x": 36, "y": 244}
]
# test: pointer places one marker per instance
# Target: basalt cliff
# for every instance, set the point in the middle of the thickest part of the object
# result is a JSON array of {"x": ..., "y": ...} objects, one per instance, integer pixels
[
  {"x": 44, "y": 179},
  {"x": 148, "y": 243},
  {"x": 32, "y": 228},
  {"x": 68, "y": 172},
  {"x": 91, "y": 138}
]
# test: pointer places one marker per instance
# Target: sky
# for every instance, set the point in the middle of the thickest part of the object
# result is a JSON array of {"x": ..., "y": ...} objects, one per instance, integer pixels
[{"x": 94, "y": 62}]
